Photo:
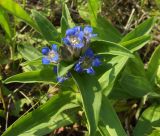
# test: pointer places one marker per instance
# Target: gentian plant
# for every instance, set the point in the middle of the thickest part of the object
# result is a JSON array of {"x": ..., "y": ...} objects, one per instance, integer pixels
[
  {"x": 88, "y": 69},
  {"x": 77, "y": 42}
]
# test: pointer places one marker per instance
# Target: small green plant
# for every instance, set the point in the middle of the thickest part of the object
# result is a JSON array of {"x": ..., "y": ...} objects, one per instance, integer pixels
[{"x": 92, "y": 66}]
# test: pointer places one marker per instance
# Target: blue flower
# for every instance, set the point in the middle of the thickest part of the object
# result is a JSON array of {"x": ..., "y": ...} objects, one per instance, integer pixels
[
  {"x": 74, "y": 37},
  {"x": 51, "y": 55},
  {"x": 88, "y": 33},
  {"x": 87, "y": 62}
]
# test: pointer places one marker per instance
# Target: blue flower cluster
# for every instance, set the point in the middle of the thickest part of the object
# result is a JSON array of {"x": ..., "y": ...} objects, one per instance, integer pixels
[
  {"x": 77, "y": 37},
  {"x": 76, "y": 42},
  {"x": 87, "y": 62}
]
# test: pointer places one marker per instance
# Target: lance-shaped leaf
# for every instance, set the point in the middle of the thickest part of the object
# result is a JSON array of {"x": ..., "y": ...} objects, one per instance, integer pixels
[
  {"x": 137, "y": 43},
  {"x": 18, "y": 11},
  {"x": 108, "y": 78},
  {"x": 45, "y": 75},
  {"x": 46, "y": 28},
  {"x": 91, "y": 97},
  {"x": 140, "y": 30},
  {"x": 66, "y": 20},
  {"x": 94, "y": 7},
  {"x": 63, "y": 68},
  {"x": 46, "y": 118},
  {"x": 106, "y": 47},
  {"x": 109, "y": 124},
  {"x": 106, "y": 31},
  {"x": 149, "y": 119},
  {"x": 29, "y": 52},
  {"x": 153, "y": 65},
  {"x": 4, "y": 21}
]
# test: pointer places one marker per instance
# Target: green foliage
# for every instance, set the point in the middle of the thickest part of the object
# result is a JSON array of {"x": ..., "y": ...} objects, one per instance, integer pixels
[
  {"x": 66, "y": 20},
  {"x": 47, "y": 117},
  {"x": 18, "y": 11},
  {"x": 110, "y": 33},
  {"x": 45, "y": 75},
  {"x": 94, "y": 7},
  {"x": 46, "y": 28},
  {"x": 153, "y": 65},
  {"x": 149, "y": 119},
  {"x": 28, "y": 52},
  {"x": 109, "y": 124},
  {"x": 110, "y": 48},
  {"x": 142, "y": 29},
  {"x": 91, "y": 97},
  {"x": 4, "y": 21}
]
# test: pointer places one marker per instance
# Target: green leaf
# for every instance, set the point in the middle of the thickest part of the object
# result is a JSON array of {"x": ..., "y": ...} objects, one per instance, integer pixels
[
  {"x": 106, "y": 31},
  {"x": 109, "y": 124},
  {"x": 46, "y": 28},
  {"x": 137, "y": 43},
  {"x": 32, "y": 62},
  {"x": 155, "y": 132},
  {"x": 150, "y": 118},
  {"x": 91, "y": 97},
  {"x": 153, "y": 65},
  {"x": 142, "y": 29},
  {"x": 131, "y": 86},
  {"x": 46, "y": 118},
  {"x": 106, "y": 47},
  {"x": 28, "y": 52},
  {"x": 67, "y": 16},
  {"x": 84, "y": 11},
  {"x": 64, "y": 26},
  {"x": 66, "y": 20},
  {"x": 4, "y": 21},
  {"x": 133, "y": 82},
  {"x": 107, "y": 80},
  {"x": 63, "y": 68},
  {"x": 16, "y": 10},
  {"x": 45, "y": 75},
  {"x": 94, "y": 7}
]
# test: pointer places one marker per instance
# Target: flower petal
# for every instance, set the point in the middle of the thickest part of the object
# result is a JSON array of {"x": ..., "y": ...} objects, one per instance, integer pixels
[
  {"x": 80, "y": 36},
  {"x": 45, "y": 60},
  {"x": 70, "y": 32},
  {"x": 66, "y": 41},
  {"x": 78, "y": 28},
  {"x": 90, "y": 71},
  {"x": 88, "y": 29},
  {"x": 45, "y": 50},
  {"x": 96, "y": 62},
  {"x": 79, "y": 45},
  {"x": 89, "y": 53},
  {"x": 54, "y": 47},
  {"x": 78, "y": 68}
]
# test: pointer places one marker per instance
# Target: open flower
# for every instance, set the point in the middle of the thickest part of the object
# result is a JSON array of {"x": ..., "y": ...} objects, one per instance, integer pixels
[
  {"x": 88, "y": 33},
  {"x": 87, "y": 62},
  {"x": 74, "y": 37},
  {"x": 51, "y": 55}
]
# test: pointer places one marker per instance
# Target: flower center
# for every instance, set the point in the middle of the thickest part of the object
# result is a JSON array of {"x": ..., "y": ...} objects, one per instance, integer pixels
[
  {"x": 51, "y": 54},
  {"x": 74, "y": 40},
  {"x": 87, "y": 62}
]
